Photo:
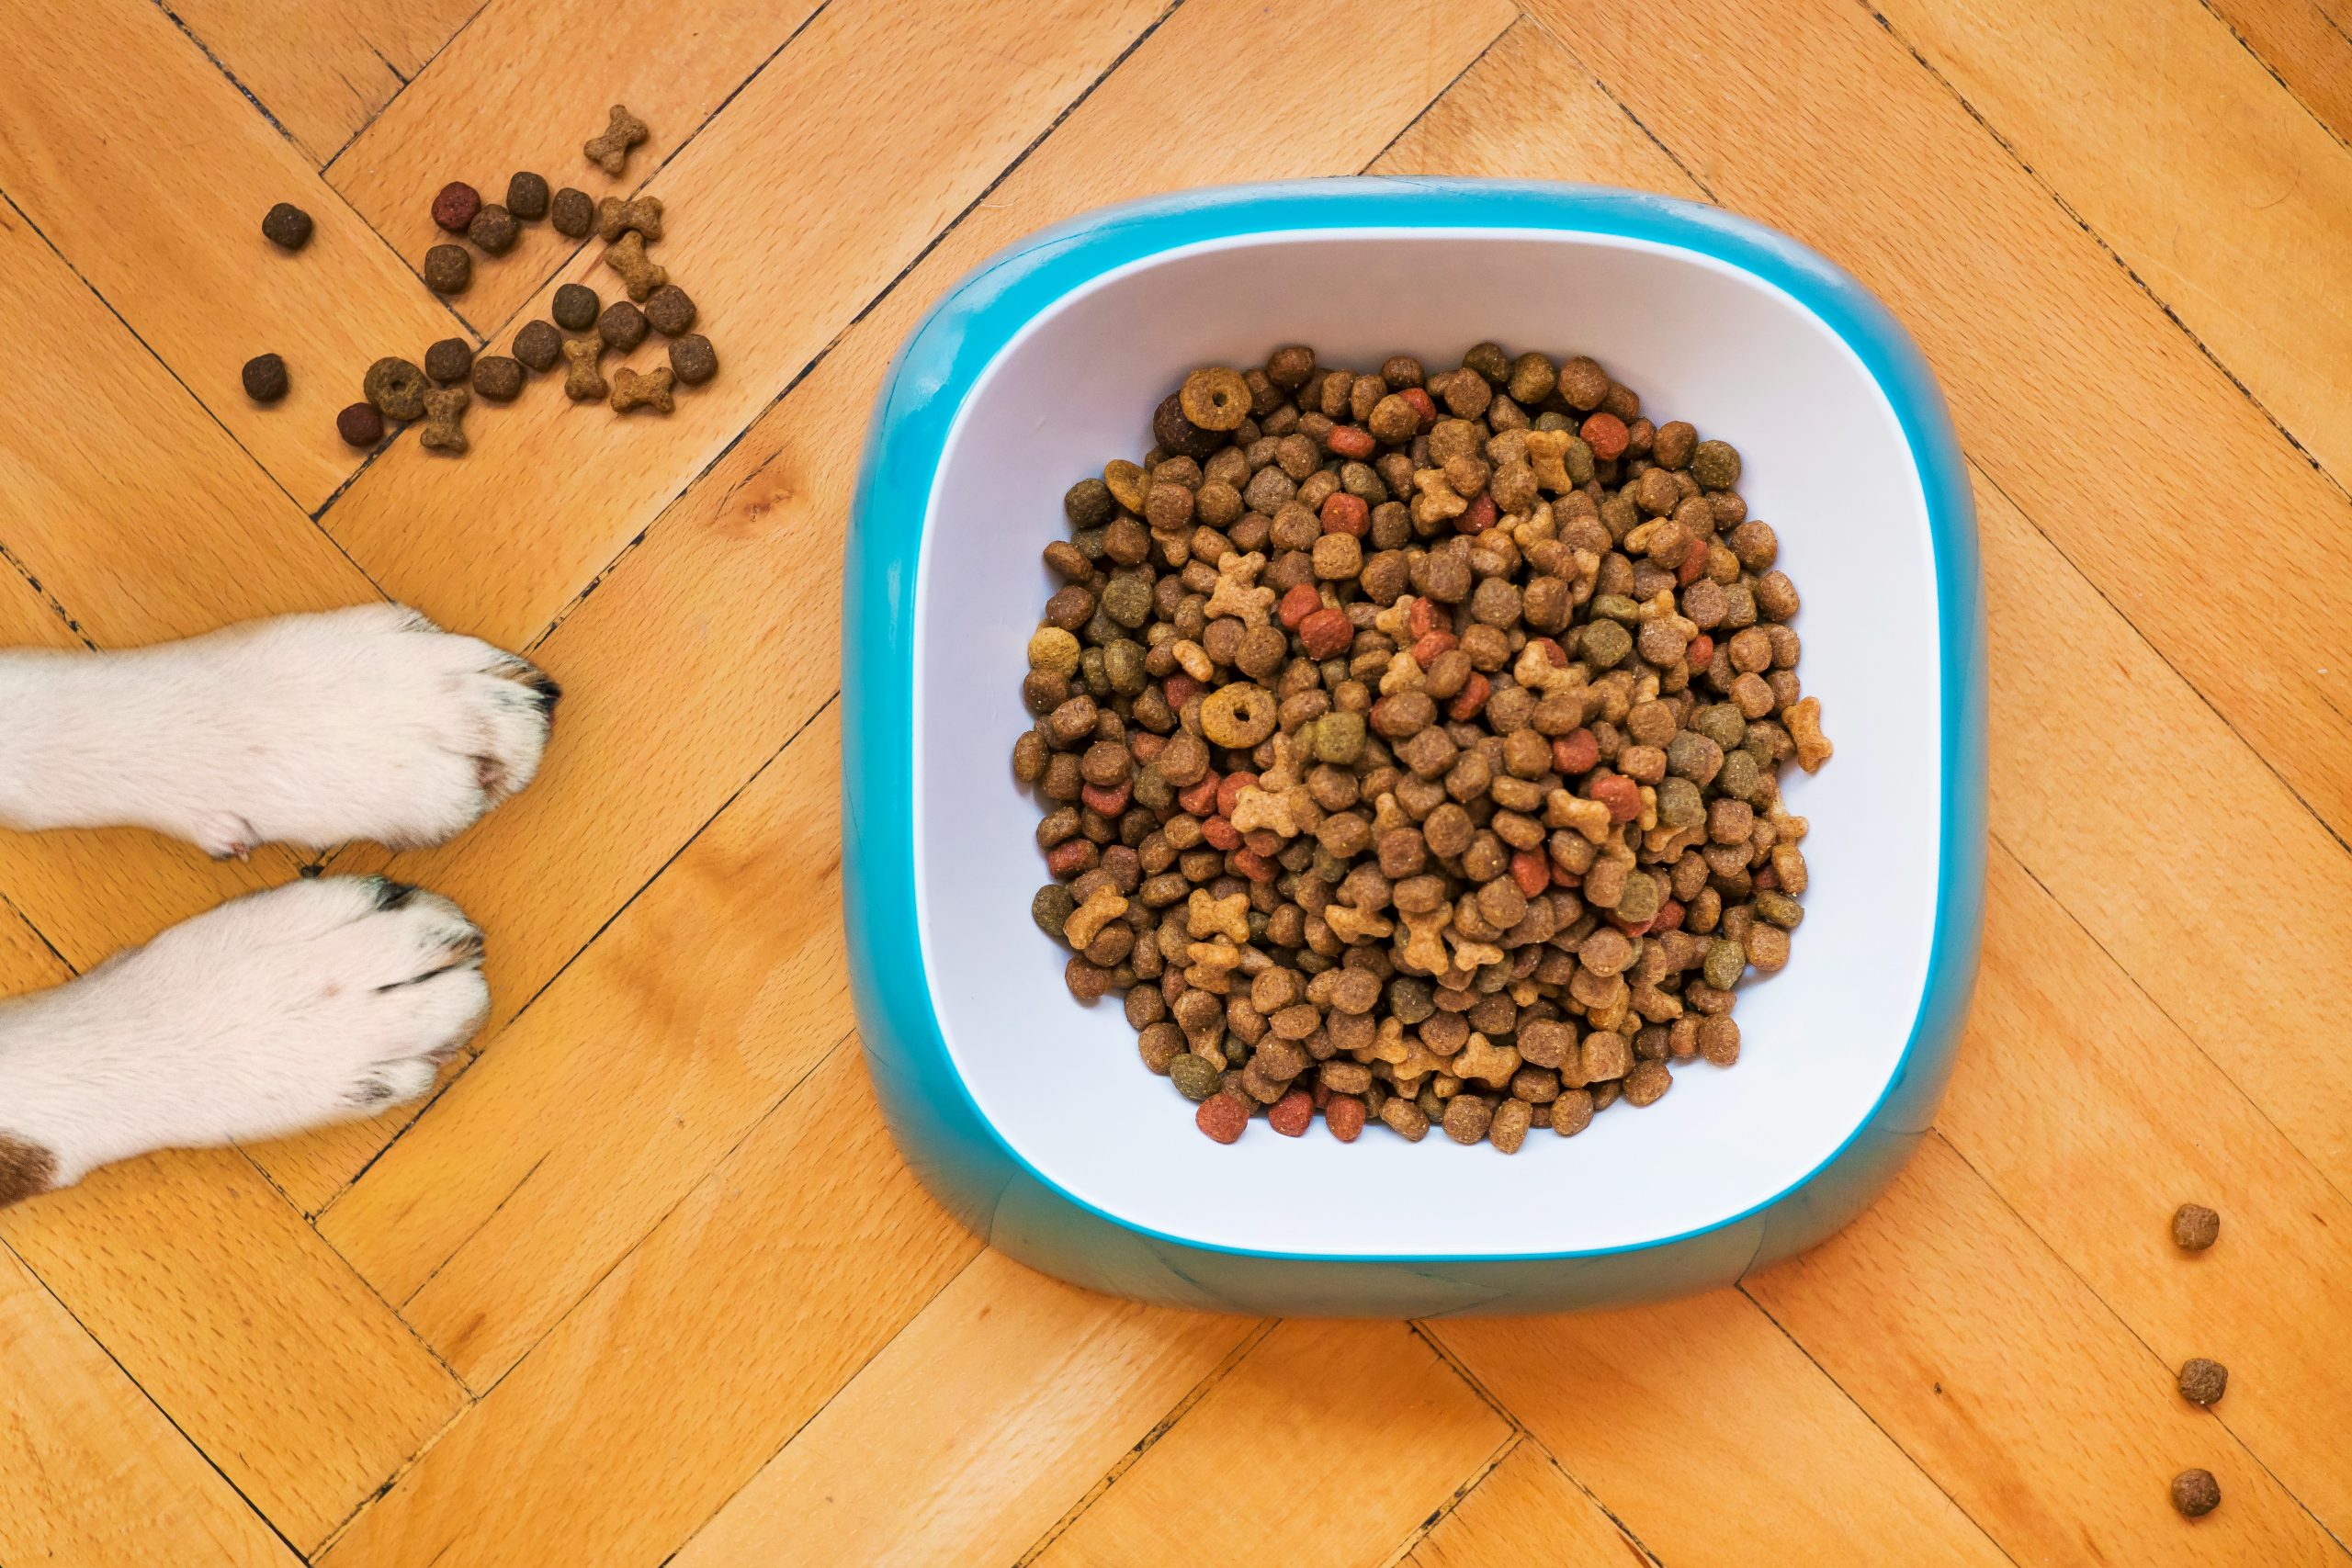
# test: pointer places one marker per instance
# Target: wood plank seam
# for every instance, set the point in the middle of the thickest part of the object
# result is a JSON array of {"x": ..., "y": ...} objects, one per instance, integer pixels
[
  {"x": 400, "y": 1473},
  {"x": 1404, "y": 1549},
  {"x": 1871, "y": 1417},
  {"x": 2214, "y": 1411},
  {"x": 221, "y": 65},
  {"x": 1455, "y": 81},
  {"x": 1177, "y": 1412},
  {"x": 361, "y": 130},
  {"x": 2113, "y": 254},
  {"x": 169, "y": 1419},
  {"x": 1428, "y": 1334},
  {"x": 2262, "y": 60}
]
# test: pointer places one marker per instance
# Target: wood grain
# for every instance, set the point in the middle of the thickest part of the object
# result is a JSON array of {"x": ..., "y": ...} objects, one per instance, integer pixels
[
  {"x": 1527, "y": 1511},
  {"x": 149, "y": 171},
  {"x": 326, "y": 68},
  {"x": 90, "y": 1472},
  {"x": 984, "y": 1421},
  {"x": 1327, "y": 1444},
  {"x": 2308, "y": 45}
]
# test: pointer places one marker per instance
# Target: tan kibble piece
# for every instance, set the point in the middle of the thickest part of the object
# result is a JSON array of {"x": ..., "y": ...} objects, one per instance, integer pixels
[
  {"x": 1258, "y": 808},
  {"x": 608, "y": 149},
  {"x": 1207, "y": 917},
  {"x": 1489, "y": 1063},
  {"x": 1403, "y": 674},
  {"x": 642, "y": 390},
  {"x": 1804, "y": 721},
  {"x": 1353, "y": 927},
  {"x": 582, "y": 382},
  {"x": 1437, "y": 502},
  {"x": 444, "y": 408},
  {"x": 640, "y": 274},
  {"x": 1425, "y": 946},
  {"x": 1086, "y": 922},
  {"x": 1472, "y": 955},
  {"x": 1589, "y": 818},
  {"x": 1211, "y": 963},
  {"x": 616, "y": 217},
  {"x": 1547, "y": 452},
  {"x": 1236, "y": 593},
  {"x": 1536, "y": 672}
]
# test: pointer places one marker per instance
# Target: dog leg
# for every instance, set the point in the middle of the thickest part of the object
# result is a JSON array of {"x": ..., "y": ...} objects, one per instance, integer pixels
[
  {"x": 314, "y": 1003},
  {"x": 365, "y": 723}
]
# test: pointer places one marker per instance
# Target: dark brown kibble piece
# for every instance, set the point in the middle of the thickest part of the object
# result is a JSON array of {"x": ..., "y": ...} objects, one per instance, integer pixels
[
  {"x": 449, "y": 269},
  {"x": 608, "y": 149},
  {"x": 671, "y": 310},
  {"x": 287, "y": 226},
  {"x": 493, "y": 230},
  {"x": 359, "y": 425},
  {"x": 455, "y": 206},
  {"x": 265, "y": 378},
  {"x": 2196, "y": 1493},
  {"x": 572, "y": 212},
  {"x": 2203, "y": 1381},
  {"x": 497, "y": 378},
  {"x": 538, "y": 345},
  {"x": 2195, "y": 1227},
  {"x": 527, "y": 197},
  {"x": 396, "y": 387},
  {"x": 449, "y": 361},
  {"x": 622, "y": 326},
  {"x": 575, "y": 307},
  {"x": 692, "y": 358}
]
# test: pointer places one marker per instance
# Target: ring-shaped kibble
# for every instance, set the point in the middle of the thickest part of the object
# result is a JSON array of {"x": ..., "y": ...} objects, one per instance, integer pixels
[
  {"x": 396, "y": 388},
  {"x": 1240, "y": 714},
  {"x": 1215, "y": 398},
  {"x": 1125, "y": 481}
]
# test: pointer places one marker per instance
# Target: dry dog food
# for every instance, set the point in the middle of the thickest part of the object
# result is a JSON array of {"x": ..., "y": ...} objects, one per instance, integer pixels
[
  {"x": 527, "y": 197},
  {"x": 642, "y": 390},
  {"x": 498, "y": 378},
  {"x": 671, "y": 310},
  {"x": 616, "y": 217},
  {"x": 538, "y": 345},
  {"x": 449, "y": 361},
  {"x": 449, "y": 269},
  {"x": 573, "y": 213},
  {"x": 692, "y": 359},
  {"x": 622, "y": 326},
  {"x": 396, "y": 388},
  {"x": 493, "y": 229},
  {"x": 265, "y": 378},
  {"x": 2203, "y": 1381},
  {"x": 445, "y": 411},
  {"x": 640, "y": 273},
  {"x": 360, "y": 426},
  {"x": 608, "y": 149},
  {"x": 1409, "y": 742},
  {"x": 287, "y": 226},
  {"x": 582, "y": 382},
  {"x": 2195, "y": 1227},
  {"x": 2196, "y": 1493},
  {"x": 455, "y": 206},
  {"x": 575, "y": 307}
]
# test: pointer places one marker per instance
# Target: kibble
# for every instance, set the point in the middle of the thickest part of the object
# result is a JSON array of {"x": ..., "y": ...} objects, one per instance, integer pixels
[
  {"x": 265, "y": 378},
  {"x": 608, "y": 149},
  {"x": 582, "y": 382},
  {"x": 575, "y": 307},
  {"x": 642, "y": 390},
  {"x": 538, "y": 345},
  {"x": 621, "y": 326},
  {"x": 1416, "y": 745},
  {"x": 671, "y": 310},
  {"x": 616, "y": 217},
  {"x": 2203, "y": 1381},
  {"x": 287, "y": 226},
  {"x": 493, "y": 230},
  {"x": 497, "y": 378},
  {"x": 527, "y": 197},
  {"x": 2195, "y": 1227},
  {"x": 444, "y": 409},
  {"x": 2195, "y": 1492},
  {"x": 573, "y": 213},
  {"x": 449, "y": 269},
  {"x": 360, "y": 426},
  {"x": 455, "y": 206},
  {"x": 692, "y": 359},
  {"x": 396, "y": 388},
  {"x": 449, "y": 361},
  {"x": 641, "y": 275}
]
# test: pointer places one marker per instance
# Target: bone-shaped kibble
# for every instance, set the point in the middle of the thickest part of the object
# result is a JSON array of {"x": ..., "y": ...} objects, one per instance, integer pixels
[
  {"x": 1388, "y": 1045},
  {"x": 1086, "y": 922},
  {"x": 1546, "y": 452},
  {"x": 1237, "y": 592},
  {"x": 1395, "y": 622},
  {"x": 1418, "y": 1063},
  {"x": 1352, "y": 927},
  {"x": 1212, "y": 964},
  {"x": 1206, "y": 916},
  {"x": 1482, "y": 1059},
  {"x": 1589, "y": 818},
  {"x": 1471, "y": 954},
  {"x": 640, "y": 273},
  {"x": 616, "y": 217},
  {"x": 1803, "y": 720},
  {"x": 1437, "y": 502},
  {"x": 609, "y": 150},
  {"x": 445, "y": 407},
  {"x": 1403, "y": 674},
  {"x": 1424, "y": 945},
  {"x": 583, "y": 383},
  {"x": 642, "y": 390},
  {"x": 1258, "y": 808},
  {"x": 1536, "y": 672}
]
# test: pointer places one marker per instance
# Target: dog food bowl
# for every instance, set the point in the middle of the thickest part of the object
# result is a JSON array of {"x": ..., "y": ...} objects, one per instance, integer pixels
[{"x": 1031, "y": 1116}]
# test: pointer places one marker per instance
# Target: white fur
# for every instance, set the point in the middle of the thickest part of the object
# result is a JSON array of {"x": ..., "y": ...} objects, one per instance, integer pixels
[
  {"x": 312, "y": 1002},
  {"x": 365, "y": 723},
  {"x": 309, "y": 1003}
]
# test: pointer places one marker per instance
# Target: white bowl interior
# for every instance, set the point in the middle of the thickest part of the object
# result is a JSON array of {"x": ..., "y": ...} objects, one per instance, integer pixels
[{"x": 1824, "y": 461}]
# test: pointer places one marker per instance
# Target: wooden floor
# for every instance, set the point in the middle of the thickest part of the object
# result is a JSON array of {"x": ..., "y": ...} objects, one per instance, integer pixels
[{"x": 646, "y": 1283}]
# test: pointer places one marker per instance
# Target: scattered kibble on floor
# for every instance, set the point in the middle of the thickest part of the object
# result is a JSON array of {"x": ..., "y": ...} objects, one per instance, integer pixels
[
  {"x": 360, "y": 426},
  {"x": 2196, "y": 1493},
  {"x": 527, "y": 197},
  {"x": 287, "y": 226},
  {"x": 265, "y": 378},
  {"x": 2195, "y": 1227},
  {"x": 692, "y": 359},
  {"x": 671, "y": 310},
  {"x": 396, "y": 388},
  {"x": 575, "y": 307},
  {"x": 497, "y": 378},
  {"x": 621, "y": 326},
  {"x": 493, "y": 230},
  {"x": 2203, "y": 1381},
  {"x": 573, "y": 213},
  {"x": 642, "y": 390},
  {"x": 608, "y": 149},
  {"x": 640, "y": 273},
  {"x": 616, "y": 217},
  {"x": 449, "y": 269},
  {"x": 455, "y": 206},
  {"x": 538, "y": 345},
  {"x": 444, "y": 412},
  {"x": 582, "y": 382},
  {"x": 449, "y": 361}
]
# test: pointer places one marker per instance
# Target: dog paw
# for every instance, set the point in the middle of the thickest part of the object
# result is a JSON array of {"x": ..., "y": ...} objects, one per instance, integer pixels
[{"x": 314, "y": 1002}]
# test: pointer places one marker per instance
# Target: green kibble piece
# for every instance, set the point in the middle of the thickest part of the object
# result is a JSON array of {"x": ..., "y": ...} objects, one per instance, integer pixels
[
  {"x": 1606, "y": 644},
  {"x": 1723, "y": 724},
  {"x": 1195, "y": 1077},
  {"x": 1052, "y": 909},
  {"x": 1679, "y": 804},
  {"x": 1640, "y": 900},
  {"x": 1580, "y": 462},
  {"x": 1122, "y": 666},
  {"x": 1088, "y": 504},
  {"x": 1152, "y": 791},
  {"x": 1616, "y": 608},
  {"x": 1126, "y": 599},
  {"x": 1715, "y": 465},
  {"x": 1740, "y": 774},
  {"x": 1726, "y": 962},
  {"x": 1780, "y": 909},
  {"x": 1339, "y": 738}
]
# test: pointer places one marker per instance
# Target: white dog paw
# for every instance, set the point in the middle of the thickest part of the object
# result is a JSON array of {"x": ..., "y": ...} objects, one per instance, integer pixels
[{"x": 314, "y": 1002}]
